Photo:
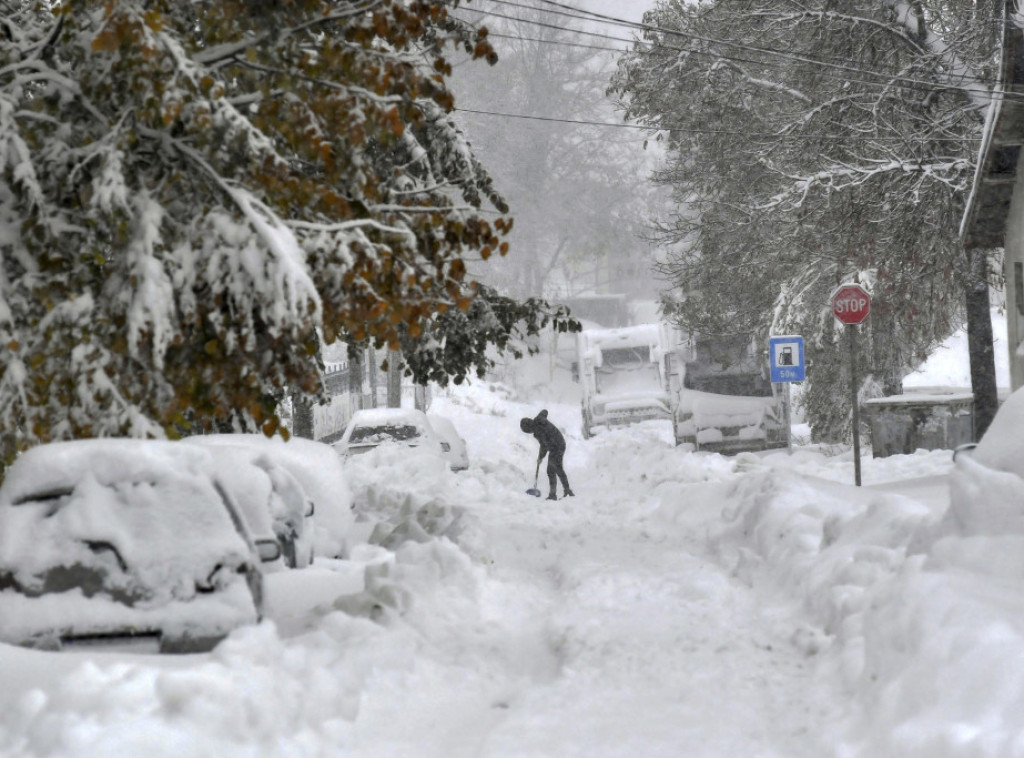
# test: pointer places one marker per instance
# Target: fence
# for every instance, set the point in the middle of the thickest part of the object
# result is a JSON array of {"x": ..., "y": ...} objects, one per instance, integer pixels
[{"x": 330, "y": 420}]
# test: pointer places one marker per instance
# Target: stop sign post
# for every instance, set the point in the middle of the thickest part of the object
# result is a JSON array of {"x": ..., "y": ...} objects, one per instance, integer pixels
[{"x": 851, "y": 305}]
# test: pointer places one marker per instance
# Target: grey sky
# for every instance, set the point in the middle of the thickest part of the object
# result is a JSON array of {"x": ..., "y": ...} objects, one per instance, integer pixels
[{"x": 631, "y": 10}]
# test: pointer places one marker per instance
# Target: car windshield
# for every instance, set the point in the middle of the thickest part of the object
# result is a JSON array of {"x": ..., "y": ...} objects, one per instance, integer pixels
[{"x": 374, "y": 435}]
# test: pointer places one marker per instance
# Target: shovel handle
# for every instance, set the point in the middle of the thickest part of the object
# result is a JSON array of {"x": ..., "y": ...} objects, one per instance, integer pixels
[{"x": 536, "y": 475}]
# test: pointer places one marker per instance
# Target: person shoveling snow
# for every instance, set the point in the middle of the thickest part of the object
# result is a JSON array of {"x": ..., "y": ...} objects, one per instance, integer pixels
[{"x": 552, "y": 444}]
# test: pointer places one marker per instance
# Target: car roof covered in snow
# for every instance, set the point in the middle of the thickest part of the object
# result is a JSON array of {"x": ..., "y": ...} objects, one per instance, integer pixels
[
  {"x": 59, "y": 465},
  {"x": 315, "y": 464},
  {"x": 1002, "y": 446},
  {"x": 385, "y": 416}
]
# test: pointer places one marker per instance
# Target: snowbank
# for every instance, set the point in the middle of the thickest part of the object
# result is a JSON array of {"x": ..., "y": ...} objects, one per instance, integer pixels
[{"x": 923, "y": 622}]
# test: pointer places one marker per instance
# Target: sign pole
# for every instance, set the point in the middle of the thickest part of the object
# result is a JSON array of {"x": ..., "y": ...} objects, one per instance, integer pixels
[
  {"x": 786, "y": 365},
  {"x": 789, "y": 419},
  {"x": 852, "y": 329},
  {"x": 851, "y": 305}
]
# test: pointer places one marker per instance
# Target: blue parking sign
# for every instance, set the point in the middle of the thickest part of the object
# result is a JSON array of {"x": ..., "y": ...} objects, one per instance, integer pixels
[{"x": 786, "y": 357}]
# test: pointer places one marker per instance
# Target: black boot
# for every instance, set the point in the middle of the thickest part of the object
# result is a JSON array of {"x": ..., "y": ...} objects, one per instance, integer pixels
[
  {"x": 570, "y": 493},
  {"x": 552, "y": 496}
]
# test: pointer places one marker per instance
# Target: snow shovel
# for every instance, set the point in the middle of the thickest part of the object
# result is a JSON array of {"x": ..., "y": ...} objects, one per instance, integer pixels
[{"x": 533, "y": 490}]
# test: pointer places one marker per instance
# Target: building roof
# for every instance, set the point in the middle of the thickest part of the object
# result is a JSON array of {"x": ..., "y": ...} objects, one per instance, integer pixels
[{"x": 988, "y": 206}]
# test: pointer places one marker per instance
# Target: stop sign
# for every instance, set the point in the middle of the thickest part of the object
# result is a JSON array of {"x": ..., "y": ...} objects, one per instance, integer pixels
[{"x": 851, "y": 303}]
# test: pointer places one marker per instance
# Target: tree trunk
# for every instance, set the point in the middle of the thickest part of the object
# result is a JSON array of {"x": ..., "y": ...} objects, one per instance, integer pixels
[
  {"x": 302, "y": 417},
  {"x": 372, "y": 368},
  {"x": 394, "y": 379},
  {"x": 355, "y": 377},
  {"x": 979, "y": 344},
  {"x": 887, "y": 356}
]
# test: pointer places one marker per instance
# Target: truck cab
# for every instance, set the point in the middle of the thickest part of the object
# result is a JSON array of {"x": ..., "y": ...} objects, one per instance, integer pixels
[{"x": 626, "y": 376}]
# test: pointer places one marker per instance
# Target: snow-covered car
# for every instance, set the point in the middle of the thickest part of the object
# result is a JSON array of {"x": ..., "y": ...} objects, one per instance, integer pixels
[
  {"x": 321, "y": 474},
  {"x": 987, "y": 481},
  {"x": 457, "y": 455},
  {"x": 274, "y": 504},
  {"x": 124, "y": 543},
  {"x": 372, "y": 427}
]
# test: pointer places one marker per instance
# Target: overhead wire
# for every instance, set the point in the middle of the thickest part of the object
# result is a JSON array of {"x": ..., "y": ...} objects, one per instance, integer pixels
[
  {"x": 649, "y": 128},
  {"x": 880, "y": 79},
  {"x": 902, "y": 81},
  {"x": 561, "y": 43},
  {"x": 581, "y": 14},
  {"x": 687, "y": 130}
]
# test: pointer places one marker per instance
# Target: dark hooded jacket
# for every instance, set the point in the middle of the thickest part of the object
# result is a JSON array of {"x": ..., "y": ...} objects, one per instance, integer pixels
[{"x": 546, "y": 433}]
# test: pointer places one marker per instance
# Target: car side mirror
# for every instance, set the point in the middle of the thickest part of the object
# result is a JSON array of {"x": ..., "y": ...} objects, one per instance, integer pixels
[
  {"x": 965, "y": 448},
  {"x": 268, "y": 550}
]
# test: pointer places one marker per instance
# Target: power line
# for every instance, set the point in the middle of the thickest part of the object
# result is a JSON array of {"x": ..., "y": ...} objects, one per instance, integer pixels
[
  {"x": 651, "y": 128},
  {"x": 562, "y": 43},
  {"x": 904, "y": 81},
  {"x": 558, "y": 42},
  {"x": 765, "y": 135},
  {"x": 571, "y": 12},
  {"x": 704, "y": 53},
  {"x": 881, "y": 79}
]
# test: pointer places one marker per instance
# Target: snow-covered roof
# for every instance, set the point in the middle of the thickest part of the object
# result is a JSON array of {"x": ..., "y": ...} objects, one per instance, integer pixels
[
  {"x": 64, "y": 464},
  {"x": 984, "y": 221},
  {"x": 384, "y": 416},
  {"x": 625, "y": 336}
]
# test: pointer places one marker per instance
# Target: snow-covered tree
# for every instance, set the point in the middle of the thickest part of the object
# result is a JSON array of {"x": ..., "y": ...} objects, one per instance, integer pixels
[
  {"x": 457, "y": 343},
  {"x": 188, "y": 191},
  {"x": 813, "y": 143}
]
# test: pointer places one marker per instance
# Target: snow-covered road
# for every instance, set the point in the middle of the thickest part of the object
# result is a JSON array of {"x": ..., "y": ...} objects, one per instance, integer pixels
[
  {"x": 680, "y": 604},
  {"x": 659, "y": 651},
  {"x": 620, "y": 634}
]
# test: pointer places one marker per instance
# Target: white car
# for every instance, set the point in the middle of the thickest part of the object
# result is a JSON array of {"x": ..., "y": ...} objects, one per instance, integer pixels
[
  {"x": 371, "y": 427},
  {"x": 320, "y": 473},
  {"x": 126, "y": 544},
  {"x": 272, "y": 502},
  {"x": 987, "y": 483},
  {"x": 457, "y": 454}
]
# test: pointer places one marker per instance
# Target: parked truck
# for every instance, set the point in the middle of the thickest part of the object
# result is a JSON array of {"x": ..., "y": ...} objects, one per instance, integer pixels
[
  {"x": 727, "y": 402},
  {"x": 714, "y": 392},
  {"x": 626, "y": 375}
]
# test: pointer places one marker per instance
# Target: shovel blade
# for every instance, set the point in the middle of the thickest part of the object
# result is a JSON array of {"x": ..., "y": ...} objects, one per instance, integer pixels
[{"x": 534, "y": 492}]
